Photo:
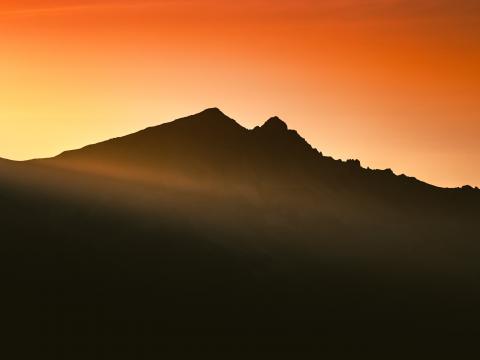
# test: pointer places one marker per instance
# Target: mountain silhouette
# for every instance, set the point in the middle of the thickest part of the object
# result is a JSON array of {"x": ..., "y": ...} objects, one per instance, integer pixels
[
  {"x": 200, "y": 236},
  {"x": 212, "y": 144},
  {"x": 210, "y": 149}
]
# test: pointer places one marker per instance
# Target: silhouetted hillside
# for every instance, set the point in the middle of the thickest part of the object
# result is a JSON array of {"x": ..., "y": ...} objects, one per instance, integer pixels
[
  {"x": 214, "y": 150},
  {"x": 269, "y": 166},
  {"x": 201, "y": 237}
]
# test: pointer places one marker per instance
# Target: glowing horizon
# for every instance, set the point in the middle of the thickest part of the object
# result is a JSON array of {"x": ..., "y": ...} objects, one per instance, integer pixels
[{"x": 393, "y": 83}]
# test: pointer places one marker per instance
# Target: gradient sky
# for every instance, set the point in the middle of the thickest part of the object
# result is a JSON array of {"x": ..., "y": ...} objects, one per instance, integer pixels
[{"x": 394, "y": 83}]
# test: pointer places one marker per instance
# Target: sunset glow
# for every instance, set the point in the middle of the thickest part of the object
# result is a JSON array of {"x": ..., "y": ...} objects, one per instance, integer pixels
[{"x": 394, "y": 83}]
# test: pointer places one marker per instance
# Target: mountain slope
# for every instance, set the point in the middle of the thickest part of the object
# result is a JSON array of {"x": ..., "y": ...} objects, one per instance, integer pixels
[
  {"x": 271, "y": 165},
  {"x": 216, "y": 173},
  {"x": 212, "y": 140},
  {"x": 200, "y": 236},
  {"x": 212, "y": 148}
]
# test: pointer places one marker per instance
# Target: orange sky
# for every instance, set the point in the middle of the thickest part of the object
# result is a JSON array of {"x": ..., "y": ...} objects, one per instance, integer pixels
[{"x": 395, "y": 83}]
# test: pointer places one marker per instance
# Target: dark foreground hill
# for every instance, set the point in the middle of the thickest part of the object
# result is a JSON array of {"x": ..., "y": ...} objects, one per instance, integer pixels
[{"x": 200, "y": 237}]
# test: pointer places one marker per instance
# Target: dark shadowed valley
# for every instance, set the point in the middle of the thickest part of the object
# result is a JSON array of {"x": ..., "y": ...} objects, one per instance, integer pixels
[{"x": 200, "y": 237}]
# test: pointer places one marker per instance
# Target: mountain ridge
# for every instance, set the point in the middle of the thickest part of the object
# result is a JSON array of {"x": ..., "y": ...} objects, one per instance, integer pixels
[
  {"x": 214, "y": 120},
  {"x": 175, "y": 236},
  {"x": 212, "y": 125}
]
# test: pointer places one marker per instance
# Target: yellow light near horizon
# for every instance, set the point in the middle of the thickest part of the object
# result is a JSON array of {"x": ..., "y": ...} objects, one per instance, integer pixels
[{"x": 393, "y": 90}]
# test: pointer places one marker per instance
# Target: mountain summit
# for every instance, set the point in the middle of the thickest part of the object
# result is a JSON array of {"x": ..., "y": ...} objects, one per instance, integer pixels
[
  {"x": 208, "y": 118},
  {"x": 275, "y": 124}
]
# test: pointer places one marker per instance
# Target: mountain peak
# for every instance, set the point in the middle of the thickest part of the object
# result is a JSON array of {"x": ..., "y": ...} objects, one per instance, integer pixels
[
  {"x": 213, "y": 115},
  {"x": 211, "y": 119},
  {"x": 275, "y": 124},
  {"x": 213, "y": 111}
]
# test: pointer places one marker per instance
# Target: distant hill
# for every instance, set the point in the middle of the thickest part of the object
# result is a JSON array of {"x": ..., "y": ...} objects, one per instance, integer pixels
[{"x": 200, "y": 237}]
